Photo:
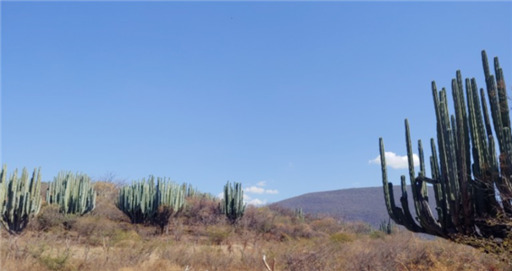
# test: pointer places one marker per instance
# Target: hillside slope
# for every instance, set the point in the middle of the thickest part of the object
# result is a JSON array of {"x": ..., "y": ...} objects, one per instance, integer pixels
[{"x": 355, "y": 204}]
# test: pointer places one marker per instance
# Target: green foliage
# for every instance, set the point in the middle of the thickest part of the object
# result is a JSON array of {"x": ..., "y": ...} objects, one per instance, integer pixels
[
  {"x": 147, "y": 202},
  {"x": 20, "y": 199},
  {"x": 72, "y": 192},
  {"x": 341, "y": 237},
  {"x": 233, "y": 205},
  {"x": 56, "y": 263},
  {"x": 472, "y": 185}
]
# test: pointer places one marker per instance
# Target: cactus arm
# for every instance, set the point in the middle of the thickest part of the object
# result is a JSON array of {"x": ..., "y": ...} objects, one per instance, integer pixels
[
  {"x": 21, "y": 199},
  {"x": 145, "y": 201},
  {"x": 465, "y": 167},
  {"x": 74, "y": 193},
  {"x": 233, "y": 202}
]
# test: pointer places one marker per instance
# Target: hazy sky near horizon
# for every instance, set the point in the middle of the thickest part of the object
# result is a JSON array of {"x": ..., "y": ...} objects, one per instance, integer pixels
[{"x": 284, "y": 97}]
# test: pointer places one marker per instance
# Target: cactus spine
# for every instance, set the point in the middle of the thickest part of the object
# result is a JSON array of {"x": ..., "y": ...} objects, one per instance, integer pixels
[
  {"x": 472, "y": 184},
  {"x": 72, "y": 192},
  {"x": 233, "y": 203},
  {"x": 20, "y": 199},
  {"x": 146, "y": 202}
]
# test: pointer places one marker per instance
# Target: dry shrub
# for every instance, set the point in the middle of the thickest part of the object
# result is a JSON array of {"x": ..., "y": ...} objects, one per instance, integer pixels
[
  {"x": 358, "y": 227},
  {"x": 307, "y": 256},
  {"x": 98, "y": 241},
  {"x": 202, "y": 257},
  {"x": 342, "y": 237},
  {"x": 50, "y": 218},
  {"x": 340, "y": 251},
  {"x": 279, "y": 224},
  {"x": 106, "y": 197},
  {"x": 218, "y": 235},
  {"x": 202, "y": 211},
  {"x": 125, "y": 238},
  {"x": 281, "y": 211},
  {"x": 60, "y": 261},
  {"x": 160, "y": 265},
  {"x": 408, "y": 252},
  {"x": 303, "y": 230},
  {"x": 95, "y": 230},
  {"x": 106, "y": 190},
  {"x": 260, "y": 220},
  {"x": 285, "y": 231},
  {"x": 327, "y": 225}
]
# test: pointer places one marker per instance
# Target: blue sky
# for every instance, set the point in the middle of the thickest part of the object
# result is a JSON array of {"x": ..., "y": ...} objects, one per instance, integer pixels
[{"x": 287, "y": 98}]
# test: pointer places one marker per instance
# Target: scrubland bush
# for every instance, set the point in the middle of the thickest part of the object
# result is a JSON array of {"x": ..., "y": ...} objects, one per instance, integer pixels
[
  {"x": 201, "y": 239},
  {"x": 341, "y": 237},
  {"x": 57, "y": 262},
  {"x": 49, "y": 218},
  {"x": 260, "y": 220},
  {"x": 326, "y": 225},
  {"x": 106, "y": 202},
  {"x": 358, "y": 227},
  {"x": 217, "y": 235},
  {"x": 202, "y": 211}
]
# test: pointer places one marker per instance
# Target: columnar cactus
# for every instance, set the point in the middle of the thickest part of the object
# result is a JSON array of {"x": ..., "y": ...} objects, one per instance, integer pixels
[
  {"x": 190, "y": 191},
  {"x": 72, "y": 192},
  {"x": 145, "y": 202},
  {"x": 233, "y": 205},
  {"x": 299, "y": 214},
  {"x": 20, "y": 199},
  {"x": 137, "y": 200},
  {"x": 3, "y": 174},
  {"x": 472, "y": 184}
]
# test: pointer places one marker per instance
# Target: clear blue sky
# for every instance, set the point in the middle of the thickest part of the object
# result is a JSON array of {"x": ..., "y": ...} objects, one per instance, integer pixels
[{"x": 287, "y": 98}]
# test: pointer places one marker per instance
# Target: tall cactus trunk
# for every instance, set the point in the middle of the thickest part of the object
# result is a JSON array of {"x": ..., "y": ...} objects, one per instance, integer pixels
[
  {"x": 72, "y": 192},
  {"x": 472, "y": 184},
  {"x": 233, "y": 203},
  {"x": 150, "y": 203}
]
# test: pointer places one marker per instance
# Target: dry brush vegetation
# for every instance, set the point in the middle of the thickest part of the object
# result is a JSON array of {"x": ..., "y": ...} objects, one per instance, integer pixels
[{"x": 200, "y": 238}]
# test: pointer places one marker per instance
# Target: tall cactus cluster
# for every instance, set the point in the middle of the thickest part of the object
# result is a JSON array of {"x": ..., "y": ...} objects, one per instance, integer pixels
[
  {"x": 472, "y": 184},
  {"x": 72, "y": 192},
  {"x": 233, "y": 205},
  {"x": 144, "y": 201},
  {"x": 20, "y": 199}
]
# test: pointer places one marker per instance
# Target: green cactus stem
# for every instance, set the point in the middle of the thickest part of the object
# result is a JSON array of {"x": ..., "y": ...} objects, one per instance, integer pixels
[
  {"x": 472, "y": 183},
  {"x": 233, "y": 205},
  {"x": 147, "y": 202},
  {"x": 20, "y": 199},
  {"x": 73, "y": 193}
]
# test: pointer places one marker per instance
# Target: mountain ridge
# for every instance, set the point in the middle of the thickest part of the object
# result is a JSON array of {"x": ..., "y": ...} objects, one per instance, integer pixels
[{"x": 351, "y": 204}]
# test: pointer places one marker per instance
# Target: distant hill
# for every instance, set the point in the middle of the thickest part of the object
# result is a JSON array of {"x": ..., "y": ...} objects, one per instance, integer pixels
[{"x": 355, "y": 204}]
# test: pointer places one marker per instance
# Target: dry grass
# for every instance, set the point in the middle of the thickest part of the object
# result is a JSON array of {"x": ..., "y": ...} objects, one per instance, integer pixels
[{"x": 104, "y": 240}]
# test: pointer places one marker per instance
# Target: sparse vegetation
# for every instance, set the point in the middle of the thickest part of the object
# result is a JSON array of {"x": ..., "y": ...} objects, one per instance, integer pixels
[{"x": 200, "y": 238}]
